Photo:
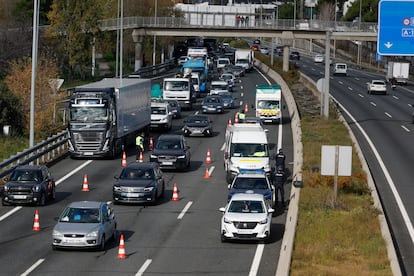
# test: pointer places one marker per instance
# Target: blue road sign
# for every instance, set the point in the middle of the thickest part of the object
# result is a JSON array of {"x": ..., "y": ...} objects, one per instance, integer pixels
[{"x": 396, "y": 28}]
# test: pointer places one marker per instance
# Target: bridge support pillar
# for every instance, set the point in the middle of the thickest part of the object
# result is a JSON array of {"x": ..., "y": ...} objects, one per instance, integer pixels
[
  {"x": 138, "y": 39},
  {"x": 287, "y": 40}
]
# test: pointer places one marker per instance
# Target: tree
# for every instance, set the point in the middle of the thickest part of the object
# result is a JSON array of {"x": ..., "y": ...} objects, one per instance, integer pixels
[
  {"x": 75, "y": 24},
  {"x": 10, "y": 113},
  {"x": 19, "y": 83}
]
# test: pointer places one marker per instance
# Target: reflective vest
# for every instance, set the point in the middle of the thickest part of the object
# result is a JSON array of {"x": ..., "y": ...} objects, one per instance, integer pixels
[
  {"x": 242, "y": 116},
  {"x": 139, "y": 141}
]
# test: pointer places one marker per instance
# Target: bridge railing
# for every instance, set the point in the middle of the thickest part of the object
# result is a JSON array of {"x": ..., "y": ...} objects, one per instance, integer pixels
[{"x": 225, "y": 21}]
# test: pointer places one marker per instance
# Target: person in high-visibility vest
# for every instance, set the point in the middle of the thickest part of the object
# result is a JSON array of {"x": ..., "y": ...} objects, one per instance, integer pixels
[
  {"x": 139, "y": 143},
  {"x": 242, "y": 116}
]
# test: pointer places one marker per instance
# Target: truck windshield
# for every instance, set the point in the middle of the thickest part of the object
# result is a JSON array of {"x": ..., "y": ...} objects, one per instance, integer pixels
[
  {"x": 176, "y": 85},
  {"x": 268, "y": 104},
  {"x": 249, "y": 150},
  {"x": 89, "y": 113}
]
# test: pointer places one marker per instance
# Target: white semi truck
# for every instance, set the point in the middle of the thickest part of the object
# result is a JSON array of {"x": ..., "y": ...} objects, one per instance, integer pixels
[
  {"x": 244, "y": 58},
  {"x": 106, "y": 115},
  {"x": 268, "y": 103},
  {"x": 398, "y": 71}
]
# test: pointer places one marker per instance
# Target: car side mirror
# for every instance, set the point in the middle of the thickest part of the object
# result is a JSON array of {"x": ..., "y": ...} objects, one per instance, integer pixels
[
  {"x": 222, "y": 209},
  {"x": 229, "y": 186},
  {"x": 270, "y": 210},
  {"x": 116, "y": 177}
]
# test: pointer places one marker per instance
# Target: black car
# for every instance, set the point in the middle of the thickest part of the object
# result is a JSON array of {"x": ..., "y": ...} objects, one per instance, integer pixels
[
  {"x": 294, "y": 55},
  {"x": 279, "y": 50},
  {"x": 29, "y": 184},
  {"x": 139, "y": 183},
  {"x": 212, "y": 104},
  {"x": 171, "y": 152},
  {"x": 198, "y": 125}
]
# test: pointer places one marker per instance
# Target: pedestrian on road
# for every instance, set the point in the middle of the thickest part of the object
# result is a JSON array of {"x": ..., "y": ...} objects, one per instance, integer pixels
[
  {"x": 139, "y": 143},
  {"x": 280, "y": 160},
  {"x": 279, "y": 183}
]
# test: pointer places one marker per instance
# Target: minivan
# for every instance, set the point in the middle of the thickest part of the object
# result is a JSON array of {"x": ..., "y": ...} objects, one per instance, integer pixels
[{"x": 340, "y": 69}]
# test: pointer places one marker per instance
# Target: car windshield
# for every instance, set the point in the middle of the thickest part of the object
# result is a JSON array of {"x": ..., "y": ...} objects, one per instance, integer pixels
[
  {"x": 212, "y": 100},
  {"x": 219, "y": 87},
  {"x": 246, "y": 206},
  {"x": 197, "y": 120},
  {"x": 225, "y": 94},
  {"x": 168, "y": 144},
  {"x": 25, "y": 175},
  {"x": 158, "y": 110},
  {"x": 267, "y": 104},
  {"x": 137, "y": 174},
  {"x": 249, "y": 150},
  {"x": 242, "y": 183},
  {"x": 80, "y": 215}
]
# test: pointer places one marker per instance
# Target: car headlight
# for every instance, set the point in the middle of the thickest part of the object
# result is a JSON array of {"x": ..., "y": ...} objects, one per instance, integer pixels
[
  {"x": 181, "y": 156},
  {"x": 219, "y": 106},
  {"x": 226, "y": 220},
  {"x": 93, "y": 234},
  {"x": 36, "y": 188},
  {"x": 5, "y": 188},
  {"x": 164, "y": 120},
  {"x": 204, "y": 106},
  {"x": 264, "y": 221},
  {"x": 117, "y": 189},
  {"x": 153, "y": 156},
  {"x": 56, "y": 233},
  {"x": 148, "y": 189},
  {"x": 266, "y": 167}
]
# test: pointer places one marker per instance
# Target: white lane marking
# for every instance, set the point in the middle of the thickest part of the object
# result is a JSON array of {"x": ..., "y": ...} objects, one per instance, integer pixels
[
  {"x": 357, "y": 79},
  {"x": 350, "y": 88},
  {"x": 388, "y": 114},
  {"x": 14, "y": 210},
  {"x": 223, "y": 146},
  {"x": 196, "y": 113},
  {"x": 187, "y": 206},
  {"x": 241, "y": 103},
  {"x": 241, "y": 87},
  {"x": 210, "y": 171},
  {"x": 360, "y": 95},
  {"x": 73, "y": 172},
  {"x": 143, "y": 267},
  {"x": 33, "y": 267},
  {"x": 410, "y": 105},
  {"x": 406, "y": 129},
  {"x": 256, "y": 260},
  {"x": 241, "y": 94},
  {"x": 395, "y": 97},
  {"x": 340, "y": 82},
  {"x": 374, "y": 104},
  {"x": 387, "y": 175},
  {"x": 11, "y": 212}
]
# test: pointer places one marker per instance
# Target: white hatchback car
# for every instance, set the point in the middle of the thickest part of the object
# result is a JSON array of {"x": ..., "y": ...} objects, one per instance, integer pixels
[
  {"x": 318, "y": 58},
  {"x": 247, "y": 216}
]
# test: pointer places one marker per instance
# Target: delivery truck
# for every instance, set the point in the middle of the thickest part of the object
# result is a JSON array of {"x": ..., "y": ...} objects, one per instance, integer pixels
[
  {"x": 398, "y": 71},
  {"x": 268, "y": 103},
  {"x": 107, "y": 115},
  {"x": 244, "y": 58}
]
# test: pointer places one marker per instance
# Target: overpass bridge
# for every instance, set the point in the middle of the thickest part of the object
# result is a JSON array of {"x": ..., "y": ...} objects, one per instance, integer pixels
[{"x": 218, "y": 25}]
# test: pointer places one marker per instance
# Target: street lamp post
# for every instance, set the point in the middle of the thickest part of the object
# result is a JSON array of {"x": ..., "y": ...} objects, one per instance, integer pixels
[
  {"x": 34, "y": 68},
  {"x": 155, "y": 37}
]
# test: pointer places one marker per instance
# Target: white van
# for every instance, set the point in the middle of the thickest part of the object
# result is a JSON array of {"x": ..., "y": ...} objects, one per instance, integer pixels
[
  {"x": 340, "y": 69},
  {"x": 246, "y": 150}
]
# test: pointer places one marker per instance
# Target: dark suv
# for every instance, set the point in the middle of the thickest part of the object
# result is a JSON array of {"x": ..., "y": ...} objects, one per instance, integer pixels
[
  {"x": 29, "y": 184},
  {"x": 171, "y": 152},
  {"x": 294, "y": 55}
]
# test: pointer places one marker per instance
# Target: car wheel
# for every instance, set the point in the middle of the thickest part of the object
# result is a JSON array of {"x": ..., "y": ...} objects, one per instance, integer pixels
[
  {"x": 162, "y": 191},
  {"x": 102, "y": 245},
  {"x": 223, "y": 238},
  {"x": 4, "y": 203},
  {"x": 53, "y": 194},
  {"x": 42, "y": 201}
]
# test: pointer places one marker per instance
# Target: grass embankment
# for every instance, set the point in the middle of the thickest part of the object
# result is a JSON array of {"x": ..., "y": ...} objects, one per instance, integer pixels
[{"x": 334, "y": 239}]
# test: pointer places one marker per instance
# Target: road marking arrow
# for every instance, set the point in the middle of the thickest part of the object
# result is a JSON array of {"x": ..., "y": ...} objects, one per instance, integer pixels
[{"x": 388, "y": 44}]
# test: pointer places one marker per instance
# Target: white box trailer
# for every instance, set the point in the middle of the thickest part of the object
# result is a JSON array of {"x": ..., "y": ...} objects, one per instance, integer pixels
[
  {"x": 106, "y": 115},
  {"x": 399, "y": 71}
]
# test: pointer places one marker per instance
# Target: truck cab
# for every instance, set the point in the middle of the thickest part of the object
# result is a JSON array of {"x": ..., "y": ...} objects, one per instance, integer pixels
[
  {"x": 268, "y": 103},
  {"x": 179, "y": 89}
]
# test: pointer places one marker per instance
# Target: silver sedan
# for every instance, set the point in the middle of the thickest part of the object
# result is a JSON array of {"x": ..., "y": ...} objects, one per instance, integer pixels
[{"x": 85, "y": 224}]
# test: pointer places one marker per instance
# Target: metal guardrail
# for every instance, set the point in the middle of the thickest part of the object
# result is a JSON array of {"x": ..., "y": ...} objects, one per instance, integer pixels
[
  {"x": 208, "y": 20},
  {"x": 44, "y": 152}
]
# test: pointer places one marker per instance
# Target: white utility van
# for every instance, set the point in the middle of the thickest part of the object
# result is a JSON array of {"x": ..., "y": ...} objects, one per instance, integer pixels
[
  {"x": 340, "y": 69},
  {"x": 246, "y": 150}
]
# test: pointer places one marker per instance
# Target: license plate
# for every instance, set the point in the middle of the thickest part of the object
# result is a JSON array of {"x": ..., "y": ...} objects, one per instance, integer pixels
[
  {"x": 244, "y": 231},
  {"x": 20, "y": 196},
  {"x": 197, "y": 131},
  {"x": 73, "y": 241},
  {"x": 167, "y": 163},
  {"x": 132, "y": 194},
  {"x": 88, "y": 153}
]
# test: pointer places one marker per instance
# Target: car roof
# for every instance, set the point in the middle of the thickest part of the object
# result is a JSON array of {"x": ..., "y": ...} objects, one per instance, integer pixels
[
  {"x": 30, "y": 167},
  {"x": 86, "y": 204},
  {"x": 247, "y": 196},
  {"x": 251, "y": 175},
  {"x": 137, "y": 165},
  {"x": 170, "y": 137}
]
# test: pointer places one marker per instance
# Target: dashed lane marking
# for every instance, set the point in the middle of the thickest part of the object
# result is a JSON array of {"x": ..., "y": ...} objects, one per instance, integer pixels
[{"x": 187, "y": 206}]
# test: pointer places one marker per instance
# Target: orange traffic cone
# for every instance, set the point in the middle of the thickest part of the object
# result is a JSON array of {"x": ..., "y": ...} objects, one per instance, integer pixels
[
  {"x": 141, "y": 159},
  {"x": 151, "y": 144},
  {"x": 229, "y": 123},
  {"x": 121, "y": 250},
  {"x": 236, "y": 118},
  {"x": 124, "y": 161},
  {"x": 246, "y": 108},
  {"x": 207, "y": 174},
  {"x": 175, "y": 193},
  {"x": 85, "y": 187},
  {"x": 36, "y": 222},
  {"x": 208, "y": 158}
]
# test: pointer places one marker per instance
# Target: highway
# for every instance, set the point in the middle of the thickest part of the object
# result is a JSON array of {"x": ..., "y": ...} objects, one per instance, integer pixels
[
  {"x": 170, "y": 238},
  {"x": 384, "y": 129}
]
